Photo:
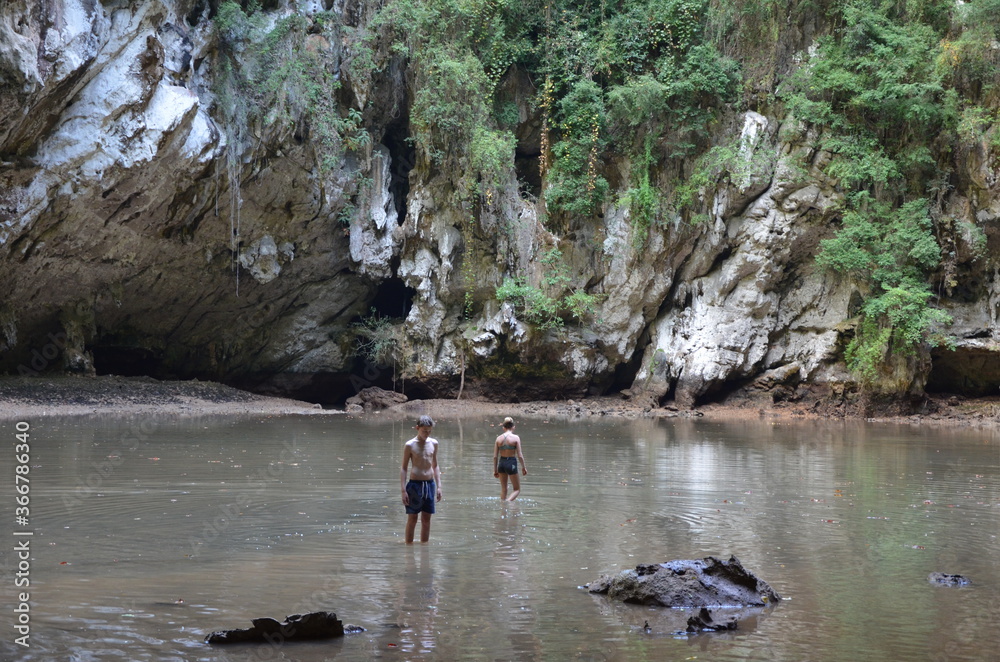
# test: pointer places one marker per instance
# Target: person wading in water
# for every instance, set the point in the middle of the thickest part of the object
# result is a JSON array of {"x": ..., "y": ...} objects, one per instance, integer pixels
[
  {"x": 423, "y": 489},
  {"x": 506, "y": 453}
]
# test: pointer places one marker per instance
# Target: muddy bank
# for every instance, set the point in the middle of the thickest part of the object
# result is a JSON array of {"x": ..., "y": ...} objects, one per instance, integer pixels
[
  {"x": 22, "y": 397},
  {"x": 69, "y": 396},
  {"x": 941, "y": 411}
]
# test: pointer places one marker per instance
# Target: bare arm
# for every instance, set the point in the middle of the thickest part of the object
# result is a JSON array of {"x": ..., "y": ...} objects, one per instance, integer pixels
[
  {"x": 402, "y": 474},
  {"x": 520, "y": 456},
  {"x": 496, "y": 454},
  {"x": 437, "y": 474}
]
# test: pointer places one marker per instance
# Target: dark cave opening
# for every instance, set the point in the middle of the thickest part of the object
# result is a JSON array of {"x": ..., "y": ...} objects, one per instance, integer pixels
[
  {"x": 528, "y": 171},
  {"x": 128, "y": 361},
  {"x": 965, "y": 371},
  {"x": 403, "y": 156},
  {"x": 625, "y": 373},
  {"x": 393, "y": 299}
]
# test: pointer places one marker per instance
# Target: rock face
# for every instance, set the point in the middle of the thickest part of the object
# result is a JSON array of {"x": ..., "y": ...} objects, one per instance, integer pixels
[
  {"x": 142, "y": 231},
  {"x": 298, "y": 627},
  {"x": 708, "y": 582},
  {"x": 374, "y": 398}
]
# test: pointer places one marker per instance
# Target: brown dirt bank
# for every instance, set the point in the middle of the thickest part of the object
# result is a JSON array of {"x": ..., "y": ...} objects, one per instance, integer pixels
[
  {"x": 948, "y": 411},
  {"x": 67, "y": 396}
]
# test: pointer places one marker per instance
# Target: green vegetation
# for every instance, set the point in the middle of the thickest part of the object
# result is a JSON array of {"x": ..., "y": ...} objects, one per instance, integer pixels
[
  {"x": 280, "y": 73},
  {"x": 887, "y": 93},
  {"x": 733, "y": 164},
  {"x": 891, "y": 249},
  {"x": 547, "y": 307},
  {"x": 375, "y": 338},
  {"x": 889, "y": 115},
  {"x": 530, "y": 302}
]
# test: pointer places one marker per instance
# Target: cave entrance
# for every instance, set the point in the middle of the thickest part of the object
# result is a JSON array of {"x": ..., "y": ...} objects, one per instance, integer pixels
[
  {"x": 373, "y": 366},
  {"x": 625, "y": 373},
  {"x": 402, "y": 157},
  {"x": 966, "y": 371},
  {"x": 127, "y": 361},
  {"x": 528, "y": 171},
  {"x": 393, "y": 299}
]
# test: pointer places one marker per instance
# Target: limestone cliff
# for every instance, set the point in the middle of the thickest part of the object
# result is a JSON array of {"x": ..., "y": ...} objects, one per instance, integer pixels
[{"x": 147, "y": 227}]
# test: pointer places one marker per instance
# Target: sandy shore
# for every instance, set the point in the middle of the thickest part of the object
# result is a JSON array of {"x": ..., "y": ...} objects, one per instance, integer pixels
[{"x": 79, "y": 396}]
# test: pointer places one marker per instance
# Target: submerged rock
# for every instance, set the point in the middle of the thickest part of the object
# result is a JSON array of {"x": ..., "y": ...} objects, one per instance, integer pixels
[
  {"x": 298, "y": 627},
  {"x": 945, "y": 579},
  {"x": 708, "y": 582},
  {"x": 703, "y": 622}
]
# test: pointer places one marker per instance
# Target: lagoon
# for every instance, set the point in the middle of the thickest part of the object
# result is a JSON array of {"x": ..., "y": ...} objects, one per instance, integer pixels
[{"x": 147, "y": 533}]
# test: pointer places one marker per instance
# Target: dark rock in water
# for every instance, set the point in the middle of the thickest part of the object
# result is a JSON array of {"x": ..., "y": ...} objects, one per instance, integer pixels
[
  {"x": 707, "y": 582},
  {"x": 703, "y": 622},
  {"x": 944, "y": 579},
  {"x": 298, "y": 627}
]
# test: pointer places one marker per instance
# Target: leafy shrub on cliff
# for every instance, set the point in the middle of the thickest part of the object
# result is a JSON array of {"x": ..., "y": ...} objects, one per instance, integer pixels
[
  {"x": 892, "y": 249},
  {"x": 643, "y": 199},
  {"x": 491, "y": 155},
  {"x": 547, "y": 308},
  {"x": 575, "y": 185},
  {"x": 882, "y": 104},
  {"x": 530, "y": 303},
  {"x": 617, "y": 76},
  {"x": 375, "y": 338}
]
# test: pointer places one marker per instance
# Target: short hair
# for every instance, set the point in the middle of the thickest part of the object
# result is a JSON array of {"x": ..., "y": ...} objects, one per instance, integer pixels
[{"x": 425, "y": 421}]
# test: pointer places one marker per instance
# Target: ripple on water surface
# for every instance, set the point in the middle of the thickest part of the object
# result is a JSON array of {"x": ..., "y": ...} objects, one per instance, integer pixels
[{"x": 151, "y": 542}]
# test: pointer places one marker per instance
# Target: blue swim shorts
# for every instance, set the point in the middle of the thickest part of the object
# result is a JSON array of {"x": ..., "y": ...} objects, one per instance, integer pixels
[{"x": 422, "y": 494}]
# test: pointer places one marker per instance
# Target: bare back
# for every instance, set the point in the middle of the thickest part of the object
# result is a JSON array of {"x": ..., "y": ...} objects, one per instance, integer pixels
[{"x": 508, "y": 444}]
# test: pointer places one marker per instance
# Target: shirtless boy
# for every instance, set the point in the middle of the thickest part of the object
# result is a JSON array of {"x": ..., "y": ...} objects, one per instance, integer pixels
[{"x": 423, "y": 489}]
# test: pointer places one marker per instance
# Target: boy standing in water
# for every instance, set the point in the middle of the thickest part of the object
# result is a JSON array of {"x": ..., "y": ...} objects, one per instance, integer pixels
[{"x": 423, "y": 489}]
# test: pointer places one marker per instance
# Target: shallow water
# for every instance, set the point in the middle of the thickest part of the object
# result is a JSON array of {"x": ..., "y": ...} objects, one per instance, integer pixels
[{"x": 149, "y": 533}]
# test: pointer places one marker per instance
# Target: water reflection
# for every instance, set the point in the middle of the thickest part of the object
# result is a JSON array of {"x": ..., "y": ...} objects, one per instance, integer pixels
[
  {"x": 151, "y": 533},
  {"x": 417, "y": 605}
]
